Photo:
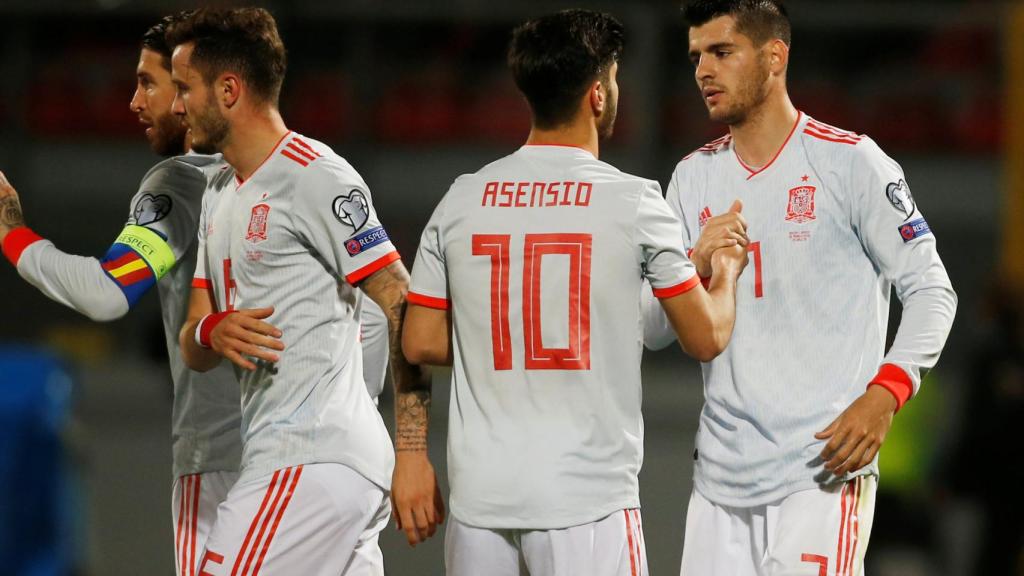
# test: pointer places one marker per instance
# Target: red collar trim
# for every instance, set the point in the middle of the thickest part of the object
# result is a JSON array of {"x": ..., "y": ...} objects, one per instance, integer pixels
[
  {"x": 274, "y": 149},
  {"x": 753, "y": 172}
]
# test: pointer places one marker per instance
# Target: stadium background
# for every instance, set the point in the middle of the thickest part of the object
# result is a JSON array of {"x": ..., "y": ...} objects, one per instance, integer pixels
[{"x": 416, "y": 93}]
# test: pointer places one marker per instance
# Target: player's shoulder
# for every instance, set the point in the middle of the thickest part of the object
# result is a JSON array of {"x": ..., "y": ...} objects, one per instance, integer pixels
[
  {"x": 176, "y": 172},
  {"x": 705, "y": 155},
  {"x": 316, "y": 162},
  {"x": 822, "y": 139}
]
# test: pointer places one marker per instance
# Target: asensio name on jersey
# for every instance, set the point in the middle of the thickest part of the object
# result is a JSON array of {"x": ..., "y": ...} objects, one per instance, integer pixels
[{"x": 542, "y": 256}]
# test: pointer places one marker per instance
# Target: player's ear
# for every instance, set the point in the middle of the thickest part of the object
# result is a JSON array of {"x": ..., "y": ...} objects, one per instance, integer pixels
[
  {"x": 778, "y": 56},
  {"x": 598, "y": 96},
  {"x": 229, "y": 89}
]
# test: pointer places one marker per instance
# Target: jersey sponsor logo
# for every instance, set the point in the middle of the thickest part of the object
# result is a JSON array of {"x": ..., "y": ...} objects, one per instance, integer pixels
[
  {"x": 801, "y": 204},
  {"x": 703, "y": 217},
  {"x": 257, "y": 231},
  {"x": 899, "y": 196},
  {"x": 914, "y": 229},
  {"x": 352, "y": 209},
  {"x": 150, "y": 209},
  {"x": 366, "y": 240}
]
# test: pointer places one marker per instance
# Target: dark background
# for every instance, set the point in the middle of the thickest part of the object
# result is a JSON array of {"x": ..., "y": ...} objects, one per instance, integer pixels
[{"x": 416, "y": 93}]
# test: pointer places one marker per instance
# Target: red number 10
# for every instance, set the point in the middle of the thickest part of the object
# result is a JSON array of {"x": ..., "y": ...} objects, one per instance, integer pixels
[{"x": 576, "y": 356}]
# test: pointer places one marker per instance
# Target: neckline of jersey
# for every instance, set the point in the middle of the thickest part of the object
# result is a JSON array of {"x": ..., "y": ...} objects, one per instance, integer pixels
[
  {"x": 551, "y": 145},
  {"x": 274, "y": 149},
  {"x": 756, "y": 171}
]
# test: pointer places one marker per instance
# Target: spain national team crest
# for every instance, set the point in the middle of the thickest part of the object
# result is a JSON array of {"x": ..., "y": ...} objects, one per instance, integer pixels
[
  {"x": 801, "y": 204},
  {"x": 258, "y": 223}
]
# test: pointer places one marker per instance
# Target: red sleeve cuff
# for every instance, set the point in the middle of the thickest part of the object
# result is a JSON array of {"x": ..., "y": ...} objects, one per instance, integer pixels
[
  {"x": 427, "y": 301},
  {"x": 17, "y": 241},
  {"x": 896, "y": 381},
  {"x": 677, "y": 289},
  {"x": 368, "y": 270},
  {"x": 201, "y": 283}
]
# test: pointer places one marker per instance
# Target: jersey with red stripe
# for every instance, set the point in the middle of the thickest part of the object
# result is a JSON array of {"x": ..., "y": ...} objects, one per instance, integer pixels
[
  {"x": 541, "y": 256},
  {"x": 833, "y": 226},
  {"x": 283, "y": 238}
]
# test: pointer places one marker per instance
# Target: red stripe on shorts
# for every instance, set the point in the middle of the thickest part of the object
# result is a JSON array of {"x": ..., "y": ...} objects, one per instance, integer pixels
[
  {"x": 252, "y": 526},
  {"x": 277, "y": 520},
  {"x": 266, "y": 520},
  {"x": 629, "y": 537},
  {"x": 195, "y": 519}
]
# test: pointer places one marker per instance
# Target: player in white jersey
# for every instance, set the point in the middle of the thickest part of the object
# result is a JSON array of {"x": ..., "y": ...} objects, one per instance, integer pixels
[
  {"x": 528, "y": 279},
  {"x": 156, "y": 248},
  {"x": 798, "y": 405},
  {"x": 316, "y": 460}
]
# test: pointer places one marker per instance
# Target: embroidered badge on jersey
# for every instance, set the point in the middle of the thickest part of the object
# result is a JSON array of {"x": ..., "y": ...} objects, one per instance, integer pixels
[
  {"x": 352, "y": 209},
  {"x": 899, "y": 196},
  {"x": 257, "y": 231},
  {"x": 150, "y": 209},
  {"x": 914, "y": 229},
  {"x": 366, "y": 240},
  {"x": 801, "y": 204}
]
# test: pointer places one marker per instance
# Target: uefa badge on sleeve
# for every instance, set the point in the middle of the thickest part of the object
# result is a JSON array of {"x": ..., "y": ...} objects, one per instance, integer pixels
[{"x": 801, "y": 204}]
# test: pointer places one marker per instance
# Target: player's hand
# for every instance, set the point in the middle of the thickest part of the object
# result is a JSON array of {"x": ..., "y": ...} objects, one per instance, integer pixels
[
  {"x": 244, "y": 333},
  {"x": 730, "y": 261},
  {"x": 10, "y": 208},
  {"x": 722, "y": 231},
  {"x": 856, "y": 435},
  {"x": 416, "y": 501}
]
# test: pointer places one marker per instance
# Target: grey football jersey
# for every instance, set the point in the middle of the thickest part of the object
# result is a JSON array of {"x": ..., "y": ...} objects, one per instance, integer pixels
[
  {"x": 283, "y": 238},
  {"x": 832, "y": 226},
  {"x": 541, "y": 256},
  {"x": 157, "y": 246}
]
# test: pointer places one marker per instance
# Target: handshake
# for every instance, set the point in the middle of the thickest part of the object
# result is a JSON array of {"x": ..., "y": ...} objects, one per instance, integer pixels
[{"x": 722, "y": 246}]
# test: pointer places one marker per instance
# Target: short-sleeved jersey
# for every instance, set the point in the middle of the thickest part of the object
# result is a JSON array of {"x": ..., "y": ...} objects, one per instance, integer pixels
[
  {"x": 205, "y": 416},
  {"x": 833, "y": 226},
  {"x": 541, "y": 256},
  {"x": 283, "y": 238}
]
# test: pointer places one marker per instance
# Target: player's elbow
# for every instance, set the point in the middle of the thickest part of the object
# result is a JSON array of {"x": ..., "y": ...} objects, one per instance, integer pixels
[
  {"x": 705, "y": 351},
  {"x": 103, "y": 310},
  {"x": 420, "y": 351}
]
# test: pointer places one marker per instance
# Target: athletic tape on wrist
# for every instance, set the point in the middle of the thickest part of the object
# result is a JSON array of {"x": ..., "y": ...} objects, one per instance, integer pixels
[{"x": 206, "y": 326}]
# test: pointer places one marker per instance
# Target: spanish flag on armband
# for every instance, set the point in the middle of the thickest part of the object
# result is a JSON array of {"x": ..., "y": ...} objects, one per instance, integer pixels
[{"x": 138, "y": 258}]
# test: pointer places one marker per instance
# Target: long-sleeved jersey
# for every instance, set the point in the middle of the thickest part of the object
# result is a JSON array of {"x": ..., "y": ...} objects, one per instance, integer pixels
[
  {"x": 833, "y": 226},
  {"x": 157, "y": 247}
]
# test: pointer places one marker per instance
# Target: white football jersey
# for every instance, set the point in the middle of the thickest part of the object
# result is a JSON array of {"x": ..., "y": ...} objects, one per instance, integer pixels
[
  {"x": 832, "y": 226},
  {"x": 541, "y": 256},
  {"x": 282, "y": 238}
]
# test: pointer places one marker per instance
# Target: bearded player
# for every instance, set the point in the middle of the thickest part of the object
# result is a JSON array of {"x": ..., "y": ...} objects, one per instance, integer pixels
[
  {"x": 316, "y": 460},
  {"x": 158, "y": 248},
  {"x": 528, "y": 279},
  {"x": 798, "y": 406}
]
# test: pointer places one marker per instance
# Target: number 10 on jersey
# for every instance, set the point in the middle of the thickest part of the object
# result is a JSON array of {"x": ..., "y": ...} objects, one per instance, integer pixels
[{"x": 576, "y": 355}]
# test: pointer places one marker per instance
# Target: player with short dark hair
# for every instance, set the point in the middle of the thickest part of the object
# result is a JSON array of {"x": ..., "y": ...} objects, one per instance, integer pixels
[
  {"x": 528, "y": 279},
  {"x": 798, "y": 406},
  {"x": 317, "y": 460},
  {"x": 156, "y": 248}
]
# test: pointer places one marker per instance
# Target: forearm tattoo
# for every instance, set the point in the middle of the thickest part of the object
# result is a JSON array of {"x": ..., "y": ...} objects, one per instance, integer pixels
[
  {"x": 412, "y": 383},
  {"x": 10, "y": 213}
]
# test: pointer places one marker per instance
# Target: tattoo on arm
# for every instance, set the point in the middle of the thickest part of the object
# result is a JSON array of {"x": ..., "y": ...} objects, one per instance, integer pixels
[
  {"x": 388, "y": 288},
  {"x": 10, "y": 213}
]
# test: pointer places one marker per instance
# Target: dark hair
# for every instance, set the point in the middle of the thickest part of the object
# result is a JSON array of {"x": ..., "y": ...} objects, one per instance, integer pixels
[
  {"x": 155, "y": 38},
  {"x": 759, "y": 20},
  {"x": 242, "y": 40},
  {"x": 555, "y": 58}
]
